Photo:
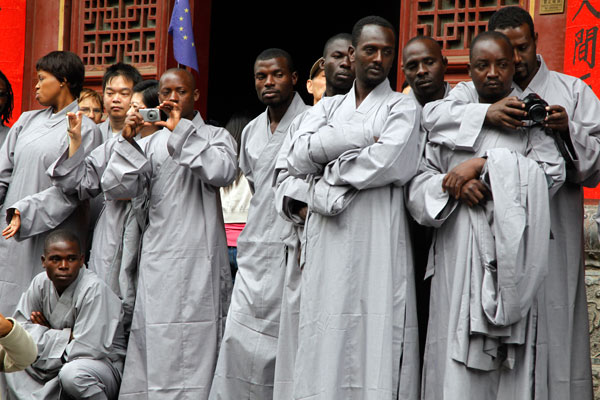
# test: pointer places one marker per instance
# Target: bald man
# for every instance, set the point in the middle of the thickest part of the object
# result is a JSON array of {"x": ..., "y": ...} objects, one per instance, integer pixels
[{"x": 184, "y": 275}]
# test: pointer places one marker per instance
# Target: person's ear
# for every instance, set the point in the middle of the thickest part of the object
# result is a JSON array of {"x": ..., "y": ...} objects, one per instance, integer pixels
[
  {"x": 351, "y": 54},
  {"x": 445, "y": 62},
  {"x": 322, "y": 63},
  {"x": 43, "y": 261},
  {"x": 309, "y": 86},
  {"x": 196, "y": 95},
  {"x": 469, "y": 69},
  {"x": 294, "y": 78}
]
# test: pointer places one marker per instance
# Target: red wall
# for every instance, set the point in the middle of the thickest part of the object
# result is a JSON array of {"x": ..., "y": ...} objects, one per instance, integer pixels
[{"x": 12, "y": 47}]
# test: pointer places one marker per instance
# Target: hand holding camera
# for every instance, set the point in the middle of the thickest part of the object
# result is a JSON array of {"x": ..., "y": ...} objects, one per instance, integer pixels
[{"x": 508, "y": 113}]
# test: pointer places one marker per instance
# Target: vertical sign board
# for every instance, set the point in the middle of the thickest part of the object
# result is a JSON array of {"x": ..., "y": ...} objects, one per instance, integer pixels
[
  {"x": 12, "y": 47},
  {"x": 582, "y": 50}
]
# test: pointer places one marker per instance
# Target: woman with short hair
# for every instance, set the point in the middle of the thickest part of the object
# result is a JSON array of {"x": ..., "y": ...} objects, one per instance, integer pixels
[{"x": 28, "y": 198}]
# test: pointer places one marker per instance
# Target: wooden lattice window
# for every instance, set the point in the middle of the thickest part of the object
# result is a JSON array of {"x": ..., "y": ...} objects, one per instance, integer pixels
[
  {"x": 109, "y": 31},
  {"x": 453, "y": 23}
]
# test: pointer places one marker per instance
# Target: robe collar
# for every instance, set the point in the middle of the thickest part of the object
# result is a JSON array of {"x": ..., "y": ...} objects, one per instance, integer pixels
[
  {"x": 447, "y": 89},
  {"x": 296, "y": 107},
  {"x": 539, "y": 81},
  {"x": 197, "y": 120},
  {"x": 55, "y": 119},
  {"x": 373, "y": 99}
]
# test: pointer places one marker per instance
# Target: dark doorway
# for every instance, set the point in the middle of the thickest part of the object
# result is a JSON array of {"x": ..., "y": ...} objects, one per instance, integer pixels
[{"x": 241, "y": 30}]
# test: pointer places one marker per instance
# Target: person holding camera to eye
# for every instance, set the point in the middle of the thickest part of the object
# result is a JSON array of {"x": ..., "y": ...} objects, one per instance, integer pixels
[{"x": 562, "y": 348}]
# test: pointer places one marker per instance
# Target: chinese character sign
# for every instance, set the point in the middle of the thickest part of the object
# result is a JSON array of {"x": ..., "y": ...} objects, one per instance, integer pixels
[{"x": 582, "y": 49}]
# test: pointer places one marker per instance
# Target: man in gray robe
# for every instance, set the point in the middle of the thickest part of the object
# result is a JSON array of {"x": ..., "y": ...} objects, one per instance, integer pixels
[
  {"x": 358, "y": 330},
  {"x": 563, "y": 336},
  {"x": 267, "y": 247},
  {"x": 73, "y": 318},
  {"x": 291, "y": 198},
  {"x": 424, "y": 67},
  {"x": 481, "y": 333},
  {"x": 184, "y": 269}
]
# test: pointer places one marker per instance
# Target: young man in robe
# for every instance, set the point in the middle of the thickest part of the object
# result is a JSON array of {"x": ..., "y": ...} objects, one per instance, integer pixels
[
  {"x": 117, "y": 88},
  {"x": 247, "y": 357},
  {"x": 563, "y": 353},
  {"x": 73, "y": 318},
  {"x": 424, "y": 67},
  {"x": 184, "y": 276},
  {"x": 486, "y": 266},
  {"x": 358, "y": 329},
  {"x": 291, "y": 199}
]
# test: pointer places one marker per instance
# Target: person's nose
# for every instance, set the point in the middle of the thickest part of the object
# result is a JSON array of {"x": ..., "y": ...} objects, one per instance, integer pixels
[
  {"x": 492, "y": 71},
  {"x": 421, "y": 70},
  {"x": 378, "y": 57},
  {"x": 346, "y": 62},
  {"x": 270, "y": 81},
  {"x": 174, "y": 97},
  {"x": 518, "y": 57}
]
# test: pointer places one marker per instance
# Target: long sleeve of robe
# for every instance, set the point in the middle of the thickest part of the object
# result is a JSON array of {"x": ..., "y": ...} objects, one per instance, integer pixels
[
  {"x": 563, "y": 347},
  {"x": 267, "y": 252},
  {"x": 357, "y": 324},
  {"x": 17, "y": 349},
  {"x": 87, "y": 311},
  {"x": 183, "y": 263},
  {"x": 36, "y": 140}
]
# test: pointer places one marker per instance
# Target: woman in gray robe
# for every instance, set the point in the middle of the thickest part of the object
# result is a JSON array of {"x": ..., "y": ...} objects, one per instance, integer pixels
[{"x": 29, "y": 201}]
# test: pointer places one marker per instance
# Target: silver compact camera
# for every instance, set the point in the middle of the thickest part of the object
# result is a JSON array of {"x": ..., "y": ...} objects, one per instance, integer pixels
[{"x": 152, "y": 114}]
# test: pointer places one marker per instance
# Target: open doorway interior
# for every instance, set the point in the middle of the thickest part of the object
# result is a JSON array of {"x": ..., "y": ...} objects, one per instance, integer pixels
[{"x": 241, "y": 30}]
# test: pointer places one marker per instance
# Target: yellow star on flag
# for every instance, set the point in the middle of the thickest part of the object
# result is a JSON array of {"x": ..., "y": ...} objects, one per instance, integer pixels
[
  {"x": 193, "y": 44},
  {"x": 186, "y": 10},
  {"x": 181, "y": 18},
  {"x": 181, "y": 28},
  {"x": 185, "y": 37}
]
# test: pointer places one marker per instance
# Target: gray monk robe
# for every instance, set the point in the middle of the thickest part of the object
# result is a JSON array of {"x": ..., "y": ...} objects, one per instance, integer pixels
[
  {"x": 564, "y": 345},
  {"x": 34, "y": 142},
  {"x": 3, "y": 133},
  {"x": 358, "y": 330},
  {"x": 184, "y": 268},
  {"x": 266, "y": 250},
  {"x": 291, "y": 194},
  {"x": 117, "y": 234},
  {"x": 470, "y": 354},
  {"x": 88, "y": 312}
]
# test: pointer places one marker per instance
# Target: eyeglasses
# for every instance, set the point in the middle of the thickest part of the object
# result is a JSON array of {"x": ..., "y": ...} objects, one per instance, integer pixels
[{"x": 3, "y": 94}]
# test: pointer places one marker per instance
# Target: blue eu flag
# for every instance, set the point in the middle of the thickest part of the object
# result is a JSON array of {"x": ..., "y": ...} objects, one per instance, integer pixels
[{"x": 183, "y": 35}]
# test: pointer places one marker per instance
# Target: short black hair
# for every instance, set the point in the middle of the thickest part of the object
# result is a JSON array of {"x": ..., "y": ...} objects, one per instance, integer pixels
[
  {"x": 10, "y": 101},
  {"x": 127, "y": 71},
  {"x": 422, "y": 37},
  {"x": 490, "y": 35},
  {"x": 511, "y": 17},
  {"x": 61, "y": 235},
  {"x": 66, "y": 67},
  {"x": 274, "y": 52},
  {"x": 149, "y": 91},
  {"x": 343, "y": 35},
  {"x": 370, "y": 20}
]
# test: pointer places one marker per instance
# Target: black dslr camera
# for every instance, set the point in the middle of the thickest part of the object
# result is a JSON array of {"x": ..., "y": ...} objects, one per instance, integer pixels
[{"x": 535, "y": 107}]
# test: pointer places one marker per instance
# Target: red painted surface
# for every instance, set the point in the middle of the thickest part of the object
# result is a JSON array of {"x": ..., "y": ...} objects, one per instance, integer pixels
[
  {"x": 12, "y": 47},
  {"x": 582, "y": 51}
]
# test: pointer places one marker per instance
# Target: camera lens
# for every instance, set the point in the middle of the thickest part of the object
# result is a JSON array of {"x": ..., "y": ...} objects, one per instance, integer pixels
[
  {"x": 152, "y": 115},
  {"x": 537, "y": 113}
]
